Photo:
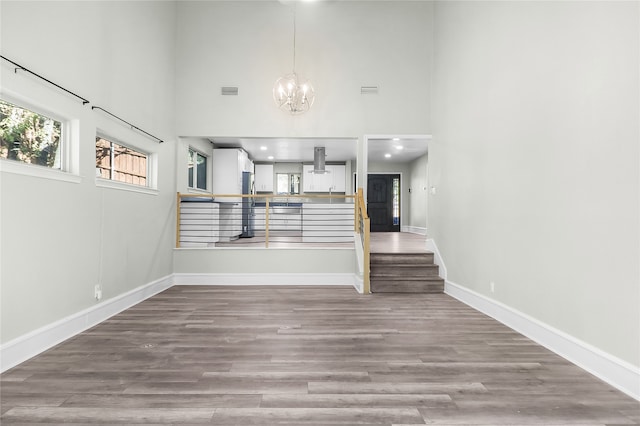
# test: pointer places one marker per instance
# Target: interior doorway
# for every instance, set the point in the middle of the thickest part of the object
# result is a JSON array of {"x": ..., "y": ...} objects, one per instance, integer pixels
[{"x": 383, "y": 202}]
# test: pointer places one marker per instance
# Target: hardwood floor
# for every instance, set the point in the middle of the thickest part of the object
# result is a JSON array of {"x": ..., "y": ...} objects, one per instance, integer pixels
[
  {"x": 304, "y": 356},
  {"x": 397, "y": 242}
]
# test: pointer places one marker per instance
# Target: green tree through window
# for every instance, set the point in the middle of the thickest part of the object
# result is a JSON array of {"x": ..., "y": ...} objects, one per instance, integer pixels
[{"x": 29, "y": 137}]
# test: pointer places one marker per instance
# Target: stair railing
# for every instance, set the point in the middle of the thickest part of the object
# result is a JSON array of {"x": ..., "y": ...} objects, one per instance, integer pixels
[{"x": 362, "y": 228}]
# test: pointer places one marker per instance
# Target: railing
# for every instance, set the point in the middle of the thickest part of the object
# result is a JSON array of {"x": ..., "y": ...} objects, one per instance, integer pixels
[
  {"x": 233, "y": 220},
  {"x": 363, "y": 230}
]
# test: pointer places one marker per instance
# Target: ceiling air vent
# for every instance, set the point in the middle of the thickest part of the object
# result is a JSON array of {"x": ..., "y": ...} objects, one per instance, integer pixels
[
  {"x": 369, "y": 90},
  {"x": 230, "y": 91}
]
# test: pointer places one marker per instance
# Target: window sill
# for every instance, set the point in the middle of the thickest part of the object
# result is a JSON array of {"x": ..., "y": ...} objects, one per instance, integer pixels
[
  {"x": 15, "y": 167},
  {"x": 198, "y": 191},
  {"x": 105, "y": 183}
]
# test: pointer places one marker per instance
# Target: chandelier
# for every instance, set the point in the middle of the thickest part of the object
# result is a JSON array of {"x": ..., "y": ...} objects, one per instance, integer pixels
[{"x": 291, "y": 93}]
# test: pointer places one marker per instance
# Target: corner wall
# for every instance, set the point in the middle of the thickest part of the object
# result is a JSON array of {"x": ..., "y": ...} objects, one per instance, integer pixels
[
  {"x": 60, "y": 239},
  {"x": 535, "y": 158}
]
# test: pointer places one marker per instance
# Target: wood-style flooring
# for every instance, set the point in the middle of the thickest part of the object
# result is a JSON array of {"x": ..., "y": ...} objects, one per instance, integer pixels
[
  {"x": 304, "y": 356},
  {"x": 397, "y": 242}
]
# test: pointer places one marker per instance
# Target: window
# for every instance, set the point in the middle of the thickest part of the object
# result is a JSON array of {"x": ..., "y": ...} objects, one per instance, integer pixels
[
  {"x": 288, "y": 183},
  {"x": 197, "y": 170},
  {"x": 396, "y": 201},
  {"x": 120, "y": 163},
  {"x": 29, "y": 137}
]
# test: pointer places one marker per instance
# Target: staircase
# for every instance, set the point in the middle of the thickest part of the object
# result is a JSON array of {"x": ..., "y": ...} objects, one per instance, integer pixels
[{"x": 404, "y": 273}]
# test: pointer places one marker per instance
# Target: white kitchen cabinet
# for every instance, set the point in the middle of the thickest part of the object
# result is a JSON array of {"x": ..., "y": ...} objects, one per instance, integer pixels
[
  {"x": 260, "y": 218},
  {"x": 327, "y": 223},
  {"x": 264, "y": 177},
  {"x": 287, "y": 221},
  {"x": 227, "y": 166},
  {"x": 307, "y": 178},
  {"x": 230, "y": 219},
  {"x": 334, "y": 181},
  {"x": 199, "y": 223},
  {"x": 280, "y": 219},
  {"x": 338, "y": 177}
]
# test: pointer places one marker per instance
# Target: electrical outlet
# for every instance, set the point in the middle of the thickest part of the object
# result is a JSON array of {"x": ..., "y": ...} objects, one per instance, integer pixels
[
  {"x": 98, "y": 292},
  {"x": 492, "y": 285}
]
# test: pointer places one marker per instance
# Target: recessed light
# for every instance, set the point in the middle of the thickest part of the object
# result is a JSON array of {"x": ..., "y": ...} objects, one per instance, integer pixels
[
  {"x": 399, "y": 147},
  {"x": 387, "y": 156},
  {"x": 263, "y": 148},
  {"x": 270, "y": 157},
  {"x": 396, "y": 139}
]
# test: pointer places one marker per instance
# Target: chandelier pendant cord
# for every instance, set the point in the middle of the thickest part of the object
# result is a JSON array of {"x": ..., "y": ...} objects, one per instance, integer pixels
[{"x": 294, "y": 38}]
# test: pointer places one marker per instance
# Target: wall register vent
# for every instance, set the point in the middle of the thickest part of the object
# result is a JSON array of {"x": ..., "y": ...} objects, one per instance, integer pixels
[
  {"x": 229, "y": 91},
  {"x": 369, "y": 90}
]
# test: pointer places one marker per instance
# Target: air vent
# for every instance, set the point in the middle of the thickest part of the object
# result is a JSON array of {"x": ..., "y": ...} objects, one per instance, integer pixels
[
  {"x": 229, "y": 91},
  {"x": 369, "y": 90}
]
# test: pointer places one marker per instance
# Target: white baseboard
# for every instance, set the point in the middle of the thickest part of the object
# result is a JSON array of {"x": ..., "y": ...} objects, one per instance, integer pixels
[
  {"x": 414, "y": 230},
  {"x": 614, "y": 371},
  {"x": 437, "y": 259},
  {"x": 358, "y": 284},
  {"x": 265, "y": 279},
  {"x": 29, "y": 345}
]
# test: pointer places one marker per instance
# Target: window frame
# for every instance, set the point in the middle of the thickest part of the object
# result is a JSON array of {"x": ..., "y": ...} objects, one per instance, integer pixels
[
  {"x": 290, "y": 183},
  {"x": 68, "y": 145},
  {"x": 195, "y": 168},
  {"x": 151, "y": 168}
]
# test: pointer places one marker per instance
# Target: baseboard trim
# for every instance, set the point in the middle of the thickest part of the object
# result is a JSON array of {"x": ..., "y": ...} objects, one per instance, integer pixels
[
  {"x": 437, "y": 258},
  {"x": 345, "y": 279},
  {"x": 612, "y": 370},
  {"x": 31, "y": 344},
  {"x": 414, "y": 230}
]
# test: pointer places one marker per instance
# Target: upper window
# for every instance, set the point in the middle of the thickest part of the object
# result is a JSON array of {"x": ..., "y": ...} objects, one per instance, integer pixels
[
  {"x": 29, "y": 137},
  {"x": 288, "y": 183},
  {"x": 197, "y": 170},
  {"x": 120, "y": 163}
]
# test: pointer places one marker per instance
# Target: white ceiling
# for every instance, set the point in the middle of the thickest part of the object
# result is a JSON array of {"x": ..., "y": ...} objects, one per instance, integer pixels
[
  {"x": 403, "y": 150},
  {"x": 291, "y": 149},
  {"x": 336, "y": 149}
]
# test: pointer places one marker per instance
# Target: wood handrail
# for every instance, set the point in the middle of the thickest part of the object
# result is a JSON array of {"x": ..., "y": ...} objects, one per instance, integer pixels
[{"x": 363, "y": 217}]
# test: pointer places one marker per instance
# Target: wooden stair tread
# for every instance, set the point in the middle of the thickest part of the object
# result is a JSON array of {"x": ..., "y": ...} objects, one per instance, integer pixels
[
  {"x": 408, "y": 287},
  {"x": 413, "y": 272}
]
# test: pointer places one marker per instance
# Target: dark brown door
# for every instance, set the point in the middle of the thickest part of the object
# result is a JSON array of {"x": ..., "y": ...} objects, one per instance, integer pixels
[{"x": 383, "y": 198}]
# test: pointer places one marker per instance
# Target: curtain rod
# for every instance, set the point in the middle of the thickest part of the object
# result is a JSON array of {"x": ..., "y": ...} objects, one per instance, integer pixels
[
  {"x": 129, "y": 124},
  {"x": 84, "y": 101},
  {"x": 20, "y": 67}
]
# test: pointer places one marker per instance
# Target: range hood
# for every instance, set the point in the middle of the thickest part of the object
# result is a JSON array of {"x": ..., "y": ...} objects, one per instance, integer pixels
[{"x": 318, "y": 161}]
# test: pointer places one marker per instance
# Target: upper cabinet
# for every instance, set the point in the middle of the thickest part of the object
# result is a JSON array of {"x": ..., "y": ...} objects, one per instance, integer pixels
[
  {"x": 339, "y": 176},
  {"x": 227, "y": 166},
  {"x": 333, "y": 181},
  {"x": 264, "y": 177}
]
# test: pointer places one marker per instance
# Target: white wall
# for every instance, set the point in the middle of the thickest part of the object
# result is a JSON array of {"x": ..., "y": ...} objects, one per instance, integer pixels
[
  {"x": 59, "y": 239},
  {"x": 417, "y": 198},
  {"x": 265, "y": 261},
  {"x": 535, "y": 160},
  {"x": 341, "y": 46}
]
